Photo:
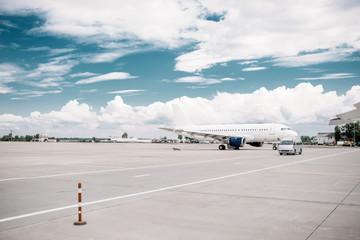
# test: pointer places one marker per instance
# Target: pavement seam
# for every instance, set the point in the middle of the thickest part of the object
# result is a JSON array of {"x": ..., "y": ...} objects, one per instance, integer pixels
[
  {"x": 267, "y": 198},
  {"x": 332, "y": 211}
]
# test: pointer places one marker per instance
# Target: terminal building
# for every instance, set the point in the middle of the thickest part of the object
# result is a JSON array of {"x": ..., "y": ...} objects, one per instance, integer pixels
[{"x": 324, "y": 138}]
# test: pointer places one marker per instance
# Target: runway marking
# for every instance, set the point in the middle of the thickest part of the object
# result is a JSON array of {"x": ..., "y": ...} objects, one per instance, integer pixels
[
  {"x": 119, "y": 169},
  {"x": 172, "y": 187},
  {"x": 144, "y": 175}
]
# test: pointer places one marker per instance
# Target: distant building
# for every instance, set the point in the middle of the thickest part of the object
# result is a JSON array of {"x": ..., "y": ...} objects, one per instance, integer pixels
[
  {"x": 324, "y": 138},
  {"x": 131, "y": 140},
  {"x": 43, "y": 137}
]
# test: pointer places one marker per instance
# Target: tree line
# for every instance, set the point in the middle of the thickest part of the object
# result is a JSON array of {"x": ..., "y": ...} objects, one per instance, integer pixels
[
  {"x": 27, "y": 138},
  {"x": 347, "y": 132},
  {"x": 350, "y": 131}
]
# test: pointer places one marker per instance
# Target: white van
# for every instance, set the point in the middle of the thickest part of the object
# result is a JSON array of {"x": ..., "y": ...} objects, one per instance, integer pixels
[{"x": 290, "y": 145}]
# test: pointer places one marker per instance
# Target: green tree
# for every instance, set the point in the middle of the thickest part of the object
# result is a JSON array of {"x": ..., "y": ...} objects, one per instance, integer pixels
[
  {"x": 351, "y": 131},
  {"x": 28, "y": 138},
  {"x": 337, "y": 133},
  {"x": 6, "y": 138},
  {"x": 306, "y": 139},
  {"x": 180, "y": 137}
]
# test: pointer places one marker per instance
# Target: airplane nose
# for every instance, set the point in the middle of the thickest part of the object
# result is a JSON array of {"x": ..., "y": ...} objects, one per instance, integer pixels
[{"x": 293, "y": 134}]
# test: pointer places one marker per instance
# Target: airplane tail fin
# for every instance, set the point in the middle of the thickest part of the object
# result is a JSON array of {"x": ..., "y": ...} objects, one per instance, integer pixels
[{"x": 180, "y": 118}]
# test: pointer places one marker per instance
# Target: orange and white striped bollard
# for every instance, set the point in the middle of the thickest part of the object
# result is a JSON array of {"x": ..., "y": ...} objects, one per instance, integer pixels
[{"x": 80, "y": 221}]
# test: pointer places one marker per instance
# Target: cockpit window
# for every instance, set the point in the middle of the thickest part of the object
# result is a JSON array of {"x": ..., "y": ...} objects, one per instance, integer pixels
[{"x": 285, "y": 129}]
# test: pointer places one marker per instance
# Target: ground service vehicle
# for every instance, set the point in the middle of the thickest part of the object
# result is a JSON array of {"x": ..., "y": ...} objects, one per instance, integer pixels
[{"x": 290, "y": 146}]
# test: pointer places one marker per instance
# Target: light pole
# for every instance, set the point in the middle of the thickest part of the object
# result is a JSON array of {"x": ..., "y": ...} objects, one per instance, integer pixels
[{"x": 354, "y": 133}]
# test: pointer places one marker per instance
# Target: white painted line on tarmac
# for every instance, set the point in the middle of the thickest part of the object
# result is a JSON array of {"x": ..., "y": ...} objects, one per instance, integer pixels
[
  {"x": 144, "y": 175},
  {"x": 37, "y": 213},
  {"x": 172, "y": 187},
  {"x": 119, "y": 169}
]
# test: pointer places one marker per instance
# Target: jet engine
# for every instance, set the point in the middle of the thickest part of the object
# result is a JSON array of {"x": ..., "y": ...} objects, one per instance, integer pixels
[
  {"x": 237, "y": 142},
  {"x": 256, "y": 144}
]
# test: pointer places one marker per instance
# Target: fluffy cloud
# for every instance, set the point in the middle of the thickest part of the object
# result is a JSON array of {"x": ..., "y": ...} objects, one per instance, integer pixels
[
  {"x": 160, "y": 21},
  {"x": 276, "y": 29},
  {"x": 304, "y": 107},
  {"x": 289, "y": 32}
]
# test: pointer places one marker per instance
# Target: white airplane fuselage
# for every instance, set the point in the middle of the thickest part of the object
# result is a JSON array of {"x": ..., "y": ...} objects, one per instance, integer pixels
[{"x": 252, "y": 132}]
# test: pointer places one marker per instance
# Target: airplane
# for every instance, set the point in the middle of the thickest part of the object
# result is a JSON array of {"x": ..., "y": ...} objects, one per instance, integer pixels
[
  {"x": 232, "y": 136},
  {"x": 347, "y": 117}
]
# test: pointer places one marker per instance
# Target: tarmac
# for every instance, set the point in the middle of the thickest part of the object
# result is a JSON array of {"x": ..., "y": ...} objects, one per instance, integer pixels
[{"x": 149, "y": 191}]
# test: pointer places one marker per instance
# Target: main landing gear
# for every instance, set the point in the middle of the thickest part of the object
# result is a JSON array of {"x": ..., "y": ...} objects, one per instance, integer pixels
[
  {"x": 222, "y": 147},
  {"x": 274, "y": 146}
]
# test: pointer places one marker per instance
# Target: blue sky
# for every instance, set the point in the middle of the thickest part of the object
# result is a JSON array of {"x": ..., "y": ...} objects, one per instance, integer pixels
[{"x": 118, "y": 67}]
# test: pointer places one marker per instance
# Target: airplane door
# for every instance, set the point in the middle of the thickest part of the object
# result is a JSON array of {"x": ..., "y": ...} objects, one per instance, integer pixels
[{"x": 272, "y": 131}]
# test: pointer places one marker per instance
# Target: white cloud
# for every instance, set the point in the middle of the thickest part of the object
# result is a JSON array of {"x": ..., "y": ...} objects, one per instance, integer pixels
[
  {"x": 84, "y": 74},
  {"x": 58, "y": 51},
  {"x": 331, "y": 55},
  {"x": 8, "y": 72},
  {"x": 106, "y": 77},
  {"x": 14, "y": 45},
  {"x": 284, "y": 30},
  {"x": 197, "y": 80},
  {"x": 197, "y": 87},
  {"x": 8, "y": 24},
  {"x": 160, "y": 21},
  {"x": 52, "y": 51},
  {"x": 88, "y": 91},
  {"x": 329, "y": 76},
  {"x": 5, "y": 89},
  {"x": 56, "y": 67},
  {"x": 126, "y": 92},
  {"x": 37, "y": 49},
  {"x": 202, "y": 80},
  {"x": 227, "y": 79},
  {"x": 45, "y": 75},
  {"x": 280, "y": 105},
  {"x": 248, "y": 62},
  {"x": 246, "y": 30},
  {"x": 104, "y": 57},
  {"x": 34, "y": 93},
  {"x": 251, "y": 69}
]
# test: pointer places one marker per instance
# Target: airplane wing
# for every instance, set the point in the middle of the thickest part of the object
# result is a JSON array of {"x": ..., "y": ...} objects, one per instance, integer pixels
[
  {"x": 168, "y": 129},
  {"x": 347, "y": 117}
]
